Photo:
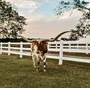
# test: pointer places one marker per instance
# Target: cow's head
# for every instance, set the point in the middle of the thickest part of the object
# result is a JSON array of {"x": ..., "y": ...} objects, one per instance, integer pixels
[
  {"x": 43, "y": 47},
  {"x": 35, "y": 43}
]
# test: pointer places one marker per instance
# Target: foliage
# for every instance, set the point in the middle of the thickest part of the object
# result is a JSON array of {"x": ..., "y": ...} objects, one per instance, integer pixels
[
  {"x": 65, "y": 6},
  {"x": 83, "y": 27},
  {"x": 11, "y": 23}
]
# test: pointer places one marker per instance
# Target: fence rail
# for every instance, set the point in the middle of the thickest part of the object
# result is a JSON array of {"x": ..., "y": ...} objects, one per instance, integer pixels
[{"x": 21, "y": 49}]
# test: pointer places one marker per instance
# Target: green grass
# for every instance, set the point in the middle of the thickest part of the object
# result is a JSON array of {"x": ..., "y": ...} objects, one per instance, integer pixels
[{"x": 19, "y": 73}]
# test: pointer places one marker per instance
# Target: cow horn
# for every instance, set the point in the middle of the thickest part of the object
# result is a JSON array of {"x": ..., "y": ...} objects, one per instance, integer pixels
[
  {"x": 48, "y": 40},
  {"x": 52, "y": 40},
  {"x": 24, "y": 38}
]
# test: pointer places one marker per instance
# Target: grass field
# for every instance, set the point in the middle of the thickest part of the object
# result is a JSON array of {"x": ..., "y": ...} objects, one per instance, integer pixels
[{"x": 19, "y": 73}]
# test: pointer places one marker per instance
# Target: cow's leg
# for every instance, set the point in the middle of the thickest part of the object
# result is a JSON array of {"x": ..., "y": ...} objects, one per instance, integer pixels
[
  {"x": 34, "y": 61},
  {"x": 44, "y": 66},
  {"x": 44, "y": 63},
  {"x": 38, "y": 62},
  {"x": 43, "y": 58}
]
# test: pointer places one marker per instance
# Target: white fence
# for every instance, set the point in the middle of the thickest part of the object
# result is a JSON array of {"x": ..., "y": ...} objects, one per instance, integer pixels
[
  {"x": 70, "y": 46},
  {"x": 16, "y": 48},
  {"x": 57, "y": 47}
]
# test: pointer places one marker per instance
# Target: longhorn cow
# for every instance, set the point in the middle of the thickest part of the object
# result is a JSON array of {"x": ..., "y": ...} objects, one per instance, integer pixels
[{"x": 39, "y": 50}]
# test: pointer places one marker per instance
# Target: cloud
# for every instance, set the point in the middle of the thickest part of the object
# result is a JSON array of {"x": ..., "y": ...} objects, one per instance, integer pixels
[
  {"x": 27, "y": 8},
  {"x": 46, "y": 0},
  {"x": 33, "y": 18},
  {"x": 38, "y": 17},
  {"x": 24, "y": 4},
  {"x": 70, "y": 14}
]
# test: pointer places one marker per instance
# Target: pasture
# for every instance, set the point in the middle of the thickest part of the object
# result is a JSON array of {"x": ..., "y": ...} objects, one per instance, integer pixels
[{"x": 19, "y": 73}]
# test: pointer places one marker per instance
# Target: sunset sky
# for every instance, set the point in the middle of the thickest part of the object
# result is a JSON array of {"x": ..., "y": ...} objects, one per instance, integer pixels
[{"x": 41, "y": 21}]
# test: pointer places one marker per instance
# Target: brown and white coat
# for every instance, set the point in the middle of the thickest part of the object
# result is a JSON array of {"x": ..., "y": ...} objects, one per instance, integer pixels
[{"x": 39, "y": 50}]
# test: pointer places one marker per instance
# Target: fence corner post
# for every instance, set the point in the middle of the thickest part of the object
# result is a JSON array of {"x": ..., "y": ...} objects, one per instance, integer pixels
[{"x": 61, "y": 53}]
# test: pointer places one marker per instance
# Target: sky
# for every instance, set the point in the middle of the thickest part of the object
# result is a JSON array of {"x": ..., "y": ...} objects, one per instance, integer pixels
[{"x": 42, "y": 21}]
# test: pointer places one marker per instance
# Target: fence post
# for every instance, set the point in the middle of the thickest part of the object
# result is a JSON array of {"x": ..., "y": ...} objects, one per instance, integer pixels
[
  {"x": 61, "y": 53},
  {"x": 21, "y": 46},
  {"x": 1, "y": 48},
  {"x": 69, "y": 47},
  {"x": 86, "y": 48},
  {"x": 77, "y": 46},
  {"x": 56, "y": 45},
  {"x": 30, "y": 49},
  {"x": 8, "y": 48}
]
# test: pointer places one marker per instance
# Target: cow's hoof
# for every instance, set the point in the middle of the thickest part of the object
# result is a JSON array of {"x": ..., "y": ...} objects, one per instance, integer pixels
[
  {"x": 37, "y": 70},
  {"x": 34, "y": 66},
  {"x": 44, "y": 70}
]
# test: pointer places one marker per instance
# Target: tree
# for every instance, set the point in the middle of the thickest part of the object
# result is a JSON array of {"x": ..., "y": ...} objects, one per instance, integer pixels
[
  {"x": 83, "y": 27},
  {"x": 11, "y": 23}
]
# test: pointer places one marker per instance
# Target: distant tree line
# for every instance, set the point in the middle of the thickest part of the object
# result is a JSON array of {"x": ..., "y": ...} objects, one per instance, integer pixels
[
  {"x": 12, "y": 40},
  {"x": 68, "y": 39}
]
